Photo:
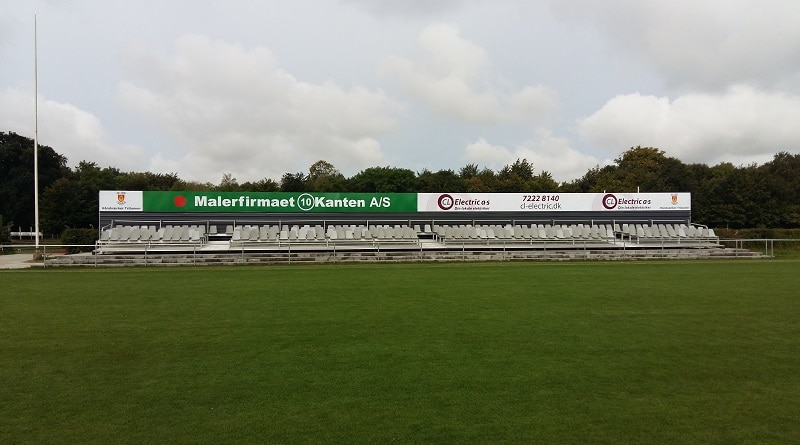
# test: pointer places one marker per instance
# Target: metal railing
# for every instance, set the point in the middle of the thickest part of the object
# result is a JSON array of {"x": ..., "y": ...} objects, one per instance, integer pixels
[
  {"x": 758, "y": 243},
  {"x": 300, "y": 252},
  {"x": 289, "y": 252}
]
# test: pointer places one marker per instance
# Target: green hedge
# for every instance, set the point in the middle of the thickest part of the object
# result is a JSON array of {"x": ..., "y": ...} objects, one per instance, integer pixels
[
  {"x": 758, "y": 233},
  {"x": 79, "y": 236},
  {"x": 5, "y": 231},
  {"x": 764, "y": 234}
]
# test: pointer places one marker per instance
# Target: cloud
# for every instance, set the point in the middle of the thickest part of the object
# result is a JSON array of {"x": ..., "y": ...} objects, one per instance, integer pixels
[
  {"x": 6, "y": 31},
  {"x": 545, "y": 150},
  {"x": 70, "y": 131},
  {"x": 231, "y": 109},
  {"x": 484, "y": 153},
  {"x": 407, "y": 8},
  {"x": 455, "y": 79},
  {"x": 741, "y": 126},
  {"x": 710, "y": 44}
]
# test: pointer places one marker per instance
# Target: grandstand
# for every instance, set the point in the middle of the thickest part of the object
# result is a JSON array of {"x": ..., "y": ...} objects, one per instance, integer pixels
[
  {"x": 196, "y": 222},
  {"x": 321, "y": 236}
]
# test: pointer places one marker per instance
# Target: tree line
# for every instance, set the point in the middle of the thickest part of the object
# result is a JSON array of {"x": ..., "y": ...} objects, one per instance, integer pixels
[{"x": 724, "y": 195}]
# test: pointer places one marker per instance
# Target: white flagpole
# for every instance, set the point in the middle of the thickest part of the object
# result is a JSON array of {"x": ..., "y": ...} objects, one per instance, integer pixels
[{"x": 36, "y": 132}]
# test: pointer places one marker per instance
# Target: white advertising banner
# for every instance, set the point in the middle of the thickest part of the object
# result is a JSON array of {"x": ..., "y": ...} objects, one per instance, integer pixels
[
  {"x": 552, "y": 202},
  {"x": 133, "y": 201},
  {"x": 121, "y": 201}
]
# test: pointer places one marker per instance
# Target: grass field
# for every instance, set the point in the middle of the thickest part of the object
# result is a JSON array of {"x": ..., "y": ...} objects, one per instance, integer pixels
[{"x": 624, "y": 352}]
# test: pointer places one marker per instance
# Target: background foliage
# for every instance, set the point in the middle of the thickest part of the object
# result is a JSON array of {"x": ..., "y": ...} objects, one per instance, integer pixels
[
  {"x": 76, "y": 237},
  {"x": 723, "y": 196},
  {"x": 5, "y": 231}
]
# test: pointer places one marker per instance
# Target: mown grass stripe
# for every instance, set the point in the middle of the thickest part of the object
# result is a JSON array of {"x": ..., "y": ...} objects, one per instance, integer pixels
[{"x": 656, "y": 352}]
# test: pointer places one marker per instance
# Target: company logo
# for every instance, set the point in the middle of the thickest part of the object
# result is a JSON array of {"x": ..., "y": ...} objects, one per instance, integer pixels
[
  {"x": 609, "y": 201},
  {"x": 121, "y": 198},
  {"x": 179, "y": 201},
  {"x": 305, "y": 202},
  {"x": 674, "y": 199},
  {"x": 446, "y": 202}
]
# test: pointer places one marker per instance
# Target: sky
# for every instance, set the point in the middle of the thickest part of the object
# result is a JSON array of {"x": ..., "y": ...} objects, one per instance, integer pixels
[{"x": 256, "y": 89}]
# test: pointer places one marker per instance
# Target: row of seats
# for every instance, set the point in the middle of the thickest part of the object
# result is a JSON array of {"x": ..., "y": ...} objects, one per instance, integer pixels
[
  {"x": 354, "y": 232},
  {"x": 399, "y": 232},
  {"x": 571, "y": 231},
  {"x": 666, "y": 231},
  {"x": 523, "y": 232},
  {"x": 149, "y": 233}
]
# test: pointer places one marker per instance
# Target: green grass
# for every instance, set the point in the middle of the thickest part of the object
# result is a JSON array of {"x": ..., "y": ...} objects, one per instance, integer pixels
[{"x": 641, "y": 352}]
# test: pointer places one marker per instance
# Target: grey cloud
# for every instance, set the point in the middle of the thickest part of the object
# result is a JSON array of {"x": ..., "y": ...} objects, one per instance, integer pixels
[
  {"x": 742, "y": 125},
  {"x": 709, "y": 44},
  {"x": 547, "y": 151},
  {"x": 73, "y": 132},
  {"x": 234, "y": 109},
  {"x": 455, "y": 79},
  {"x": 407, "y": 8}
]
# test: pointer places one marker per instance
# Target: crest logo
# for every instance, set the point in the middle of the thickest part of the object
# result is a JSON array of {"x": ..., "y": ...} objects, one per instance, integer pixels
[
  {"x": 674, "y": 199},
  {"x": 121, "y": 198},
  {"x": 446, "y": 202}
]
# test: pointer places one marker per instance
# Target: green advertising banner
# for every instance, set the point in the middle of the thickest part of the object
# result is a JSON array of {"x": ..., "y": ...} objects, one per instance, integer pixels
[{"x": 278, "y": 202}]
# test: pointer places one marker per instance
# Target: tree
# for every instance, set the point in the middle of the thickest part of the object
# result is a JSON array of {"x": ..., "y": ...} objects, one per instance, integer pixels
[
  {"x": 67, "y": 204},
  {"x": 146, "y": 181},
  {"x": 384, "y": 180},
  {"x": 582, "y": 184},
  {"x": 17, "y": 199},
  {"x": 262, "y": 185},
  {"x": 782, "y": 175},
  {"x": 522, "y": 168},
  {"x": 644, "y": 169},
  {"x": 441, "y": 181},
  {"x": 228, "y": 183},
  {"x": 475, "y": 179},
  {"x": 192, "y": 186},
  {"x": 294, "y": 182},
  {"x": 697, "y": 180},
  {"x": 721, "y": 210},
  {"x": 72, "y": 201},
  {"x": 324, "y": 177},
  {"x": 468, "y": 171},
  {"x": 648, "y": 169},
  {"x": 5, "y": 231},
  {"x": 515, "y": 177},
  {"x": 543, "y": 182}
]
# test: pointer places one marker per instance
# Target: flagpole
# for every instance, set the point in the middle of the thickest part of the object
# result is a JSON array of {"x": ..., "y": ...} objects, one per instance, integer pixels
[{"x": 36, "y": 132}]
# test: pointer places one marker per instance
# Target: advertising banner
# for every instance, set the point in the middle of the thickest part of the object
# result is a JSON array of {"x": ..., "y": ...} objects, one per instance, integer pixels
[
  {"x": 313, "y": 202},
  {"x": 278, "y": 202},
  {"x": 120, "y": 201},
  {"x": 551, "y": 202}
]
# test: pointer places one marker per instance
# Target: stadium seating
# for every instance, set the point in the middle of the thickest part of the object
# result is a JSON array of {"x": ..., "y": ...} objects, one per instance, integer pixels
[
  {"x": 372, "y": 235},
  {"x": 508, "y": 233},
  {"x": 148, "y": 234}
]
